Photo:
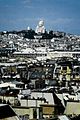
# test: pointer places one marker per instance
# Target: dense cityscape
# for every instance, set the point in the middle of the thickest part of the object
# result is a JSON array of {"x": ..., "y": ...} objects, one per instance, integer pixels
[{"x": 39, "y": 74}]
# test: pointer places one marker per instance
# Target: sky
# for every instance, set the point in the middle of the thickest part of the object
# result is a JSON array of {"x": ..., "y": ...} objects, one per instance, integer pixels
[{"x": 58, "y": 15}]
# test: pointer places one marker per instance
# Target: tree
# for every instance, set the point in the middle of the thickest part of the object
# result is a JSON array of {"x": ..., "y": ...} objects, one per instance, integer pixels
[{"x": 34, "y": 113}]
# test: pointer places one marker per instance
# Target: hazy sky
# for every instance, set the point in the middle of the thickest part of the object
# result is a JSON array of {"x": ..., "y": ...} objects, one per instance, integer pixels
[{"x": 62, "y": 15}]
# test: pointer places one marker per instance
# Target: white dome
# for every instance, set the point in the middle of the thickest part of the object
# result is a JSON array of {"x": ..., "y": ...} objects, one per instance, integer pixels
[
  {"x": 41, "y": 23},
  {"x": 40, "y": 27}
]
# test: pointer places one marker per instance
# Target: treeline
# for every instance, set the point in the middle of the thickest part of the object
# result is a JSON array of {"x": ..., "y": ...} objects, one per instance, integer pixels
[{"x": 31, "y": 33}]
